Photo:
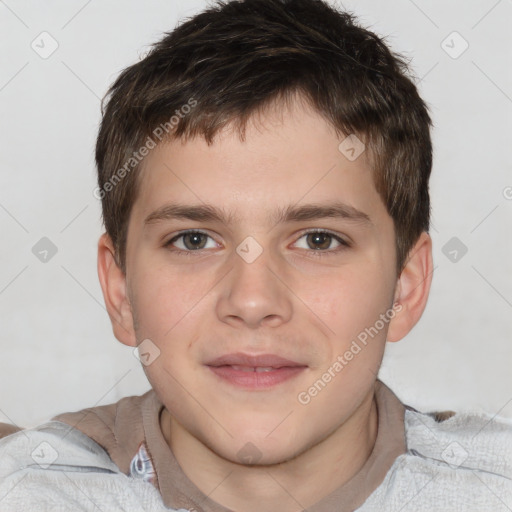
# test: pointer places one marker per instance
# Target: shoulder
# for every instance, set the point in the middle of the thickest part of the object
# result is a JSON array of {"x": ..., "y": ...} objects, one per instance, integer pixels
[
  {"x": 55, "y": 464},
  {"x": 117, "y": 428},
  {"x": 53, "y": 444},
  {"x": 68, "y": 462},
  {"x": 469, "y": 441},
  {"x": 452, "y": 462}
]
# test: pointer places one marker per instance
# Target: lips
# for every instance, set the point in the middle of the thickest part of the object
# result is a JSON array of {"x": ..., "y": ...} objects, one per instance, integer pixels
[{"x": 255, "y": 373}]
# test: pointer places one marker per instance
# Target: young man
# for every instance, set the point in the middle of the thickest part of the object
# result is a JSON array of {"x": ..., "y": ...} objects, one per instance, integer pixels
[{"x": 264, "y": 182}]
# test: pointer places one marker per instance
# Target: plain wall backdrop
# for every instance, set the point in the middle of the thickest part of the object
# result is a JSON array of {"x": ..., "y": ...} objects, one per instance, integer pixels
[{"x": 58, "y": 352}]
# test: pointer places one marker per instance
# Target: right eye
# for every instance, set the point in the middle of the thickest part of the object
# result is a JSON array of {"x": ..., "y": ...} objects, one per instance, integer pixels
[{"x": 189, "y": 241}]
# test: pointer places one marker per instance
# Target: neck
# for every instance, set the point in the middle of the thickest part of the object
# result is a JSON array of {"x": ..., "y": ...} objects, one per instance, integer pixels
[{"x": 289, "y": 486}]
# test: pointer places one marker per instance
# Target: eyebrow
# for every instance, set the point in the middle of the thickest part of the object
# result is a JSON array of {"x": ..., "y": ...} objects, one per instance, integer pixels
[{"x": 292, "y": 213}]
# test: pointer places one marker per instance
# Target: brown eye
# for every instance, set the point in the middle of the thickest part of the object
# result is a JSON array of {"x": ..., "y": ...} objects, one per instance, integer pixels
[
  {"x": 318, "y": 241},
  {"x": 192, "y": 241}
]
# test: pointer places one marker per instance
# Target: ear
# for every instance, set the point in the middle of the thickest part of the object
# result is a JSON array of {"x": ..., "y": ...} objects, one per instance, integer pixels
[
  {"x": 113, "y": 285},
  {"x": 413, "y": 287}
]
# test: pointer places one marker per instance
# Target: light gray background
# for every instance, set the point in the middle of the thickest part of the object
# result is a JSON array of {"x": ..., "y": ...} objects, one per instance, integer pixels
[{"x": 58, "y": 352}]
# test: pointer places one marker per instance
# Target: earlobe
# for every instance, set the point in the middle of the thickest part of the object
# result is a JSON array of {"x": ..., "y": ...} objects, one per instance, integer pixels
[
  {"x": 412, "y": 288},
  {"x": 113, "y": 284}
]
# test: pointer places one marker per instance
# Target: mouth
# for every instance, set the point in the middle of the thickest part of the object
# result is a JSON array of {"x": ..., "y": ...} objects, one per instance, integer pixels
[{"x": 255, "y": 372}]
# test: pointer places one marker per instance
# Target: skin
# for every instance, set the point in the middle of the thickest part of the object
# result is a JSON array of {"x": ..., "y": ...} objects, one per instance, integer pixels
[{"x": 295, "y": 300}]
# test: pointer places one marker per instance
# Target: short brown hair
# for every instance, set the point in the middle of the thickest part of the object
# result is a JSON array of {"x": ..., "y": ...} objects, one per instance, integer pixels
[{"x": 238, "y": 57}]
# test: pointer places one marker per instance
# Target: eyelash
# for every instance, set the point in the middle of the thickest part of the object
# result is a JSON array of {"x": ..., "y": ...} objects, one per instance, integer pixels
[{"x": 316, "y": 253}]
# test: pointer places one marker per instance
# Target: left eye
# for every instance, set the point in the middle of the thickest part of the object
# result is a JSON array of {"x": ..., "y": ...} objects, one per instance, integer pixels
[{"x": 319, "y": 240}]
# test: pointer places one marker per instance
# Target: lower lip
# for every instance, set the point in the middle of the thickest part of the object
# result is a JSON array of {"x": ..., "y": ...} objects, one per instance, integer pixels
[{"x": 256, "y": 380}]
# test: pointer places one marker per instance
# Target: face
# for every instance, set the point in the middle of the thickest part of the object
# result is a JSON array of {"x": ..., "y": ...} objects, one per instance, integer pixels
[{"x": 277, "y": 246}]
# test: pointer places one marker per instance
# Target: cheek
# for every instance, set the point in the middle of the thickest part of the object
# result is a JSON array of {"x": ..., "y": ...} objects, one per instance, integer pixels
[
  {"x": 165, "y": 300},
  {"x": 348, "y": 301}
]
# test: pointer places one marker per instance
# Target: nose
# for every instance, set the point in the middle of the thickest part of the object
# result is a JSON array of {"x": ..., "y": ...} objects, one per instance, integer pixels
[{"x": 254, "y": 294}]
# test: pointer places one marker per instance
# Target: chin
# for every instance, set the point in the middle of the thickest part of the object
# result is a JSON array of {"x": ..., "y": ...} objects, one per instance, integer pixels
[
  {"x": 254, "y": 454},
  {"x": 258, "y": 449}
]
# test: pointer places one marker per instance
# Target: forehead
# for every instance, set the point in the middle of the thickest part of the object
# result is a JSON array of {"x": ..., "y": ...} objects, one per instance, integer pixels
[{"x": 289, "y": 155}]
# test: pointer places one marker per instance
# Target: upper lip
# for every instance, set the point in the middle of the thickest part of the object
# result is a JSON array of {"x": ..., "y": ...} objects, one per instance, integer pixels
[{"x": 262, "y": 361}]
